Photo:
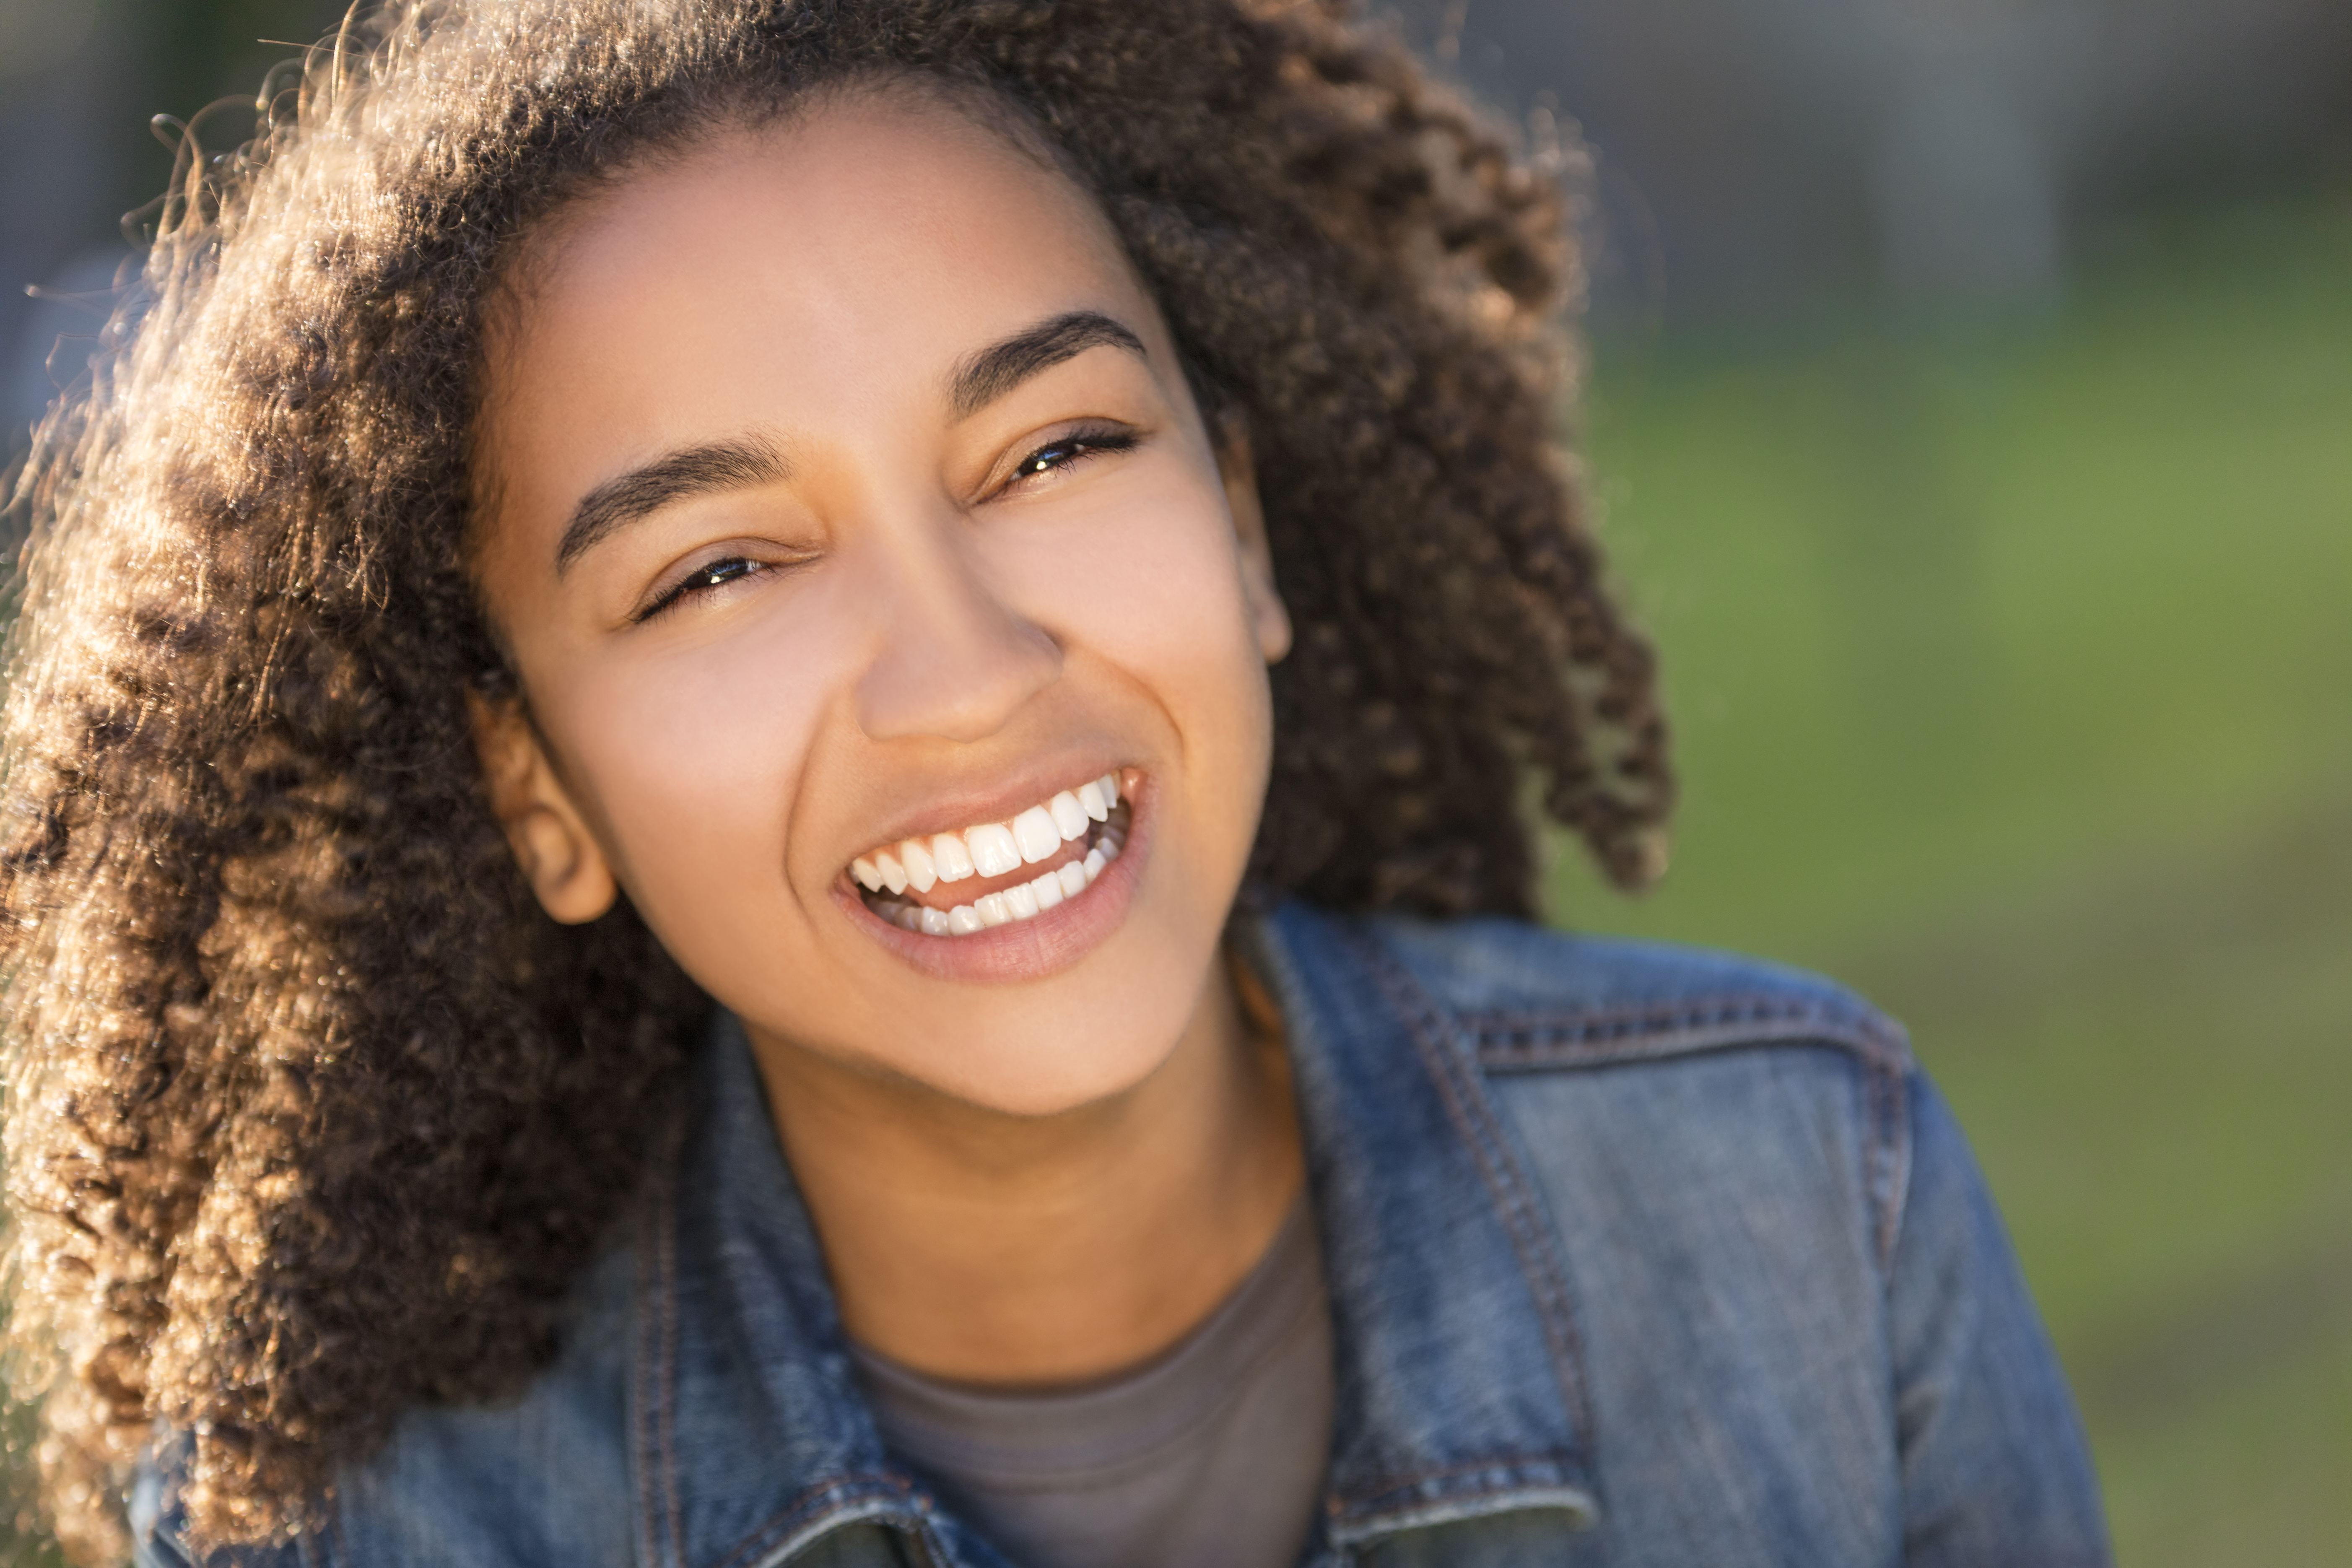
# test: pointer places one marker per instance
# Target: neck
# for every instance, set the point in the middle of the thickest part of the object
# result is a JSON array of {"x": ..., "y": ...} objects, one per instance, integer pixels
[{"x": 1003, "y": 1250}]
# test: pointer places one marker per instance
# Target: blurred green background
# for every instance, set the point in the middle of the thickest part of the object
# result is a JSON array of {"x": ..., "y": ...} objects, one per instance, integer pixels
[{"x": 2001, "y": 598}]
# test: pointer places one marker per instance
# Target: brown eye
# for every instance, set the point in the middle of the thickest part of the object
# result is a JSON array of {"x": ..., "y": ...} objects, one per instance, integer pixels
[
  {"x": 701, "y": 580},
  {"x": 1047, "y": 458},
  {"x": 1070, "y": 449},
  {"x": 717, "y": 573}
]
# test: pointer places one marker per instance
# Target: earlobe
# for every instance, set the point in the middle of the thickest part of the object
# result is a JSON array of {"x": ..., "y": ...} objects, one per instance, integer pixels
[
  {"x": 559, "y": 859},
  {"x": 1269, "y": 618}
]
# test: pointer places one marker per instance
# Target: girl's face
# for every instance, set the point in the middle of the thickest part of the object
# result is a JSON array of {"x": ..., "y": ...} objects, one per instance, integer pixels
[{"x": 848, "y": 518}]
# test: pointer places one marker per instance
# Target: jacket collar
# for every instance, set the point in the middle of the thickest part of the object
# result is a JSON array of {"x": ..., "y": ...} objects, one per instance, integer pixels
[{"x": 1459, "y": 1387}]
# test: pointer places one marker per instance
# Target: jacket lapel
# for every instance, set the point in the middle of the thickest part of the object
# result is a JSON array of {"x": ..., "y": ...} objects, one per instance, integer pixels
[
  {"x": 751, "y": 1444},
  {"x": 1460, "y": 1391}
]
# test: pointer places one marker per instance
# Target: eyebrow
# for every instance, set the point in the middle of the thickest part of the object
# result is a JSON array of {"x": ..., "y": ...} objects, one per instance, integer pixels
[
  {"x": 721, "y": 465},
  {"x": 997, "y": 369},
  {"x": 691, "y": 471}
]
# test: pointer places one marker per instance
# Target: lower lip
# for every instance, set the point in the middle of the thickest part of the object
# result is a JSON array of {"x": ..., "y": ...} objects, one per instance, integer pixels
[{"x": 1047, "y": 943}]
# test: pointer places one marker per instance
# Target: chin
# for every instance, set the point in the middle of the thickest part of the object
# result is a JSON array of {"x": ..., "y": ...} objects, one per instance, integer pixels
[{"x": 1078, "y": 1067}]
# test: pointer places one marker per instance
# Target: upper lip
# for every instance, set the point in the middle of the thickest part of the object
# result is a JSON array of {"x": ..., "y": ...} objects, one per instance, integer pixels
[{"x": 952, "y": 810}]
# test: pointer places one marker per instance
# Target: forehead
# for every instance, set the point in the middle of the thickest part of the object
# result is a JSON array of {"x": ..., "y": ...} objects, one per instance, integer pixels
[{"x": 885, "y": 225}]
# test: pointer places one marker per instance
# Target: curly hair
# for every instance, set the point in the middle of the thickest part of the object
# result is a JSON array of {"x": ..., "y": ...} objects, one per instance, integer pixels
[{"x": 311, "y": 1114}]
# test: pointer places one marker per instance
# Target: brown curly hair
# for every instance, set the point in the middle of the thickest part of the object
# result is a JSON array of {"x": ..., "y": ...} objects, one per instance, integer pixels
[{"x": 313, "y": 1115}]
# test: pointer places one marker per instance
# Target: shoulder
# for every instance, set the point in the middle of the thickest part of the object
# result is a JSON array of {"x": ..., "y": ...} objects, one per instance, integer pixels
[
  {"x": 540, "y": 1479},
  {"x": 1744, "y": 1211},
  {"x": 1530, "y": 999},
  {"x": 1698, "y": 1073}
]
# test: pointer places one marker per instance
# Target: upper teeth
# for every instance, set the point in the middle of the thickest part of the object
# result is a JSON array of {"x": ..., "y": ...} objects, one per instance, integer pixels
[{"x": 990, "y": 848}]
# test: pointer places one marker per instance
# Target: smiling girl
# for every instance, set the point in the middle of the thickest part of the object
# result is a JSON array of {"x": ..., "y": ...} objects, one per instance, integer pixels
[{"x": 766, "y": 772}]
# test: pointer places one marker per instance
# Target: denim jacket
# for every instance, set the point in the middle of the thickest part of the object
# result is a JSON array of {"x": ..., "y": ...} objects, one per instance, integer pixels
[{"x": 1636, "y": 1254}]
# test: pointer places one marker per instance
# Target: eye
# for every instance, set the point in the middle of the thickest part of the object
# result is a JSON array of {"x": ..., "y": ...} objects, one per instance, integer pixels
[
  {"x": 703, "y": 579},
  {"x": 717, "y": 573},
  {"x": 1064, "y": 451}
]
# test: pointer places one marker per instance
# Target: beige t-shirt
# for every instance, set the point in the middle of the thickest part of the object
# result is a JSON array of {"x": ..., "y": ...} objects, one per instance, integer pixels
[{"x": 1212, "y": 1455}]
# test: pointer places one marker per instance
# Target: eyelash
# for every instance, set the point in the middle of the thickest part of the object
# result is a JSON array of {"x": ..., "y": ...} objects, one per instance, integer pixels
[
  {"x": 1079, "y": 443},
  {"x": 707, "y": 577},
  {"x": 711, "y": 575}
]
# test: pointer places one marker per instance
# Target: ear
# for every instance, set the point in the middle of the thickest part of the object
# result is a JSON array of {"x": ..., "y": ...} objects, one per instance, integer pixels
[
  {"x": 559, "y": 857},
  {"x": 1268, "y": 618}
]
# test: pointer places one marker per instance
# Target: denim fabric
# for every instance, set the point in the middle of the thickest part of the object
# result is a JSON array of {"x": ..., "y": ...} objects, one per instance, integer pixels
[{"x": 1637, "y": 1256}]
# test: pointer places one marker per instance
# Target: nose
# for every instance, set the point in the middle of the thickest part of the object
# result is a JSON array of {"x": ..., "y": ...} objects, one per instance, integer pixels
[{"x": 954, "y": 661}]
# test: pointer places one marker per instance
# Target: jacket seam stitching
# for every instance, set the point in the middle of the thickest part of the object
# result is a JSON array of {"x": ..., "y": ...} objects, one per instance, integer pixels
[
  {"x": 1891, "y": 1181},
  {"x": 1510, "y": 1041},
  {"x": 656, "y": 1421},
  {"x": 335, "y": 1545},
  {"x": 655, "y": 1375},
  {"x": 1394, "y": 1485},
  {"x": 1477, "y": 1121},
  {"x": 834, "y": 1495}
]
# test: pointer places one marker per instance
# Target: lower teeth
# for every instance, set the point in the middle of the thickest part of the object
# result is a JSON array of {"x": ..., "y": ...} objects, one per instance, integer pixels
[{"x": 1105, "y": 843}]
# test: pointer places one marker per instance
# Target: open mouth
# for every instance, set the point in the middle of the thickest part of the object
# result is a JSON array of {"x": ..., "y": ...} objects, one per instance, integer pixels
[{"x": 994, "y": 873}]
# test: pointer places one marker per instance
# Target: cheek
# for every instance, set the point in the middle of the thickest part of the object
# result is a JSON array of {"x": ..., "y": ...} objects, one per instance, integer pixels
[
  {"x": 694, "y": 761},
  {"x": 1156, "y": 587},
  {"x": 1153, "y": 589}
]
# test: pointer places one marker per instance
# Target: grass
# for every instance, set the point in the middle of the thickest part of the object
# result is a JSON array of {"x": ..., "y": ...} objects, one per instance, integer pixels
[{"x": 2009, "y": 660}]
